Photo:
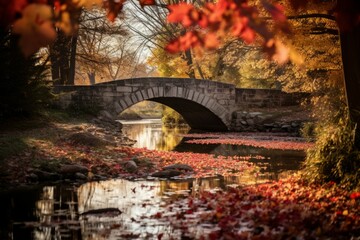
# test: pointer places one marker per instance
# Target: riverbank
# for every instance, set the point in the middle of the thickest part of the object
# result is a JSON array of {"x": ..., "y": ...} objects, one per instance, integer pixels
[
  {"x": 75, "y": 151},
  {"x": 56, "y": 149}
]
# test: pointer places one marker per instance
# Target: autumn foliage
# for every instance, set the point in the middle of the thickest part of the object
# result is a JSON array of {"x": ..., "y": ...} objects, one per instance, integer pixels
[
  {"x": 35, "y": 21},
  {"x": 237, "y": 18}
]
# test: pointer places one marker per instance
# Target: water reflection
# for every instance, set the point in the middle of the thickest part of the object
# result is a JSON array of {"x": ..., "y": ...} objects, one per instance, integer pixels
[
  {"x": 152, "y": 134},
  {"x": 61, "y": 212}
]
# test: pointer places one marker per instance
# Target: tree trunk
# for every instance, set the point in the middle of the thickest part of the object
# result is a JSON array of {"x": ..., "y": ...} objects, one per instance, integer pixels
[
  {"x": 55, "y": 63},
  {"x": 189, "y": 61},
  {"x": 71, "y": 79},
  {"x": 350, "y": 50},
  {"x": 91, "y": 76},
  {"x": 62, "y": 57}
]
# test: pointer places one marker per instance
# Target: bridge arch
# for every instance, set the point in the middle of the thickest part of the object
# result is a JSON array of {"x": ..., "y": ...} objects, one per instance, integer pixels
[{"x": 198, "y": 110}]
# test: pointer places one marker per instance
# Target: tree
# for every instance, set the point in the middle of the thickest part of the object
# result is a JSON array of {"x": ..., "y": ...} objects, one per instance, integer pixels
[
  {"x": 62, "y": 56},
  {"x": 207, "y": 26},
  {"x": 151, "y": 26},
  {"x": 24, "y": 88},
  {"x": 104, "y": 50}
]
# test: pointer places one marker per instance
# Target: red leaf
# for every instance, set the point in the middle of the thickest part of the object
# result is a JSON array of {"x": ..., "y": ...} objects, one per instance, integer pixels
[
  {"x": 9, "y": 10},
  {"x": 355, "y": 195},
  {"x": 173, "y": 46},
  {"x": 276, "y": 11},
  {"x": 147, "y": 3},
  {"x": 183, "y": 13}
]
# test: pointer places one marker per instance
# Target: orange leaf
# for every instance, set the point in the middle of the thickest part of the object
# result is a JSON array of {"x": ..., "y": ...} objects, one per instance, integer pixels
[
  {"x": 248, "y": 35},
  {"x": 211, "y": 41},
  {"x": 114, "y": 8},
  {"x": 35, "y": 28}
]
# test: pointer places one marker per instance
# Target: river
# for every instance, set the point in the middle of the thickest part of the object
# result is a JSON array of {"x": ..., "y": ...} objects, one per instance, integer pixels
[{"x": 60, "y": 212}]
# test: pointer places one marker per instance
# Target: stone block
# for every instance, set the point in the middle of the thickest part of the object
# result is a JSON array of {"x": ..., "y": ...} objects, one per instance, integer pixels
[
  {"x": 124, "y": 89},
  {"x": 190, "y": 94},
  {"x": 161, "y": 91},
  {"x": 134, "y": 98},
  {"x": 155, "y": 91},
  {"x": 180, "y": 92},
  {"x": 150, "y": 93},
  {"x": 123, "y": 104},
  {"x": 195, "y": 97},
  {"x": 205, "y": 100},
  {"x": 144, "y": 94},
  {"x": 139, "y": 96},
  {"x": 128, "y": 101},
  {"x": 118, "y": 107}
]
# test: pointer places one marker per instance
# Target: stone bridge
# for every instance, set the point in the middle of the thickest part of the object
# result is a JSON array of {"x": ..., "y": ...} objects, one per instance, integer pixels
[{"x": 204, "y": 104}]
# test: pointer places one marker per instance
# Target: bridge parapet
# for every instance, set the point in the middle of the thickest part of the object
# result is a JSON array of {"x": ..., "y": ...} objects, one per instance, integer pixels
[
  {"x": 204, "y": 104},
  {"x": 259, "y": 98}
]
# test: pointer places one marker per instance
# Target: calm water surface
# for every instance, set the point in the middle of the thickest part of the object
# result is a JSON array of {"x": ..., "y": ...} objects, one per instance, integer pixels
[{"x": 61, "y": 212}]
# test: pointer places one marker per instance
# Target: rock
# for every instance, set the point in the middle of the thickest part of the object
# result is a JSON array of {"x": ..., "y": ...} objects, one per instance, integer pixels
[
  {"x": 243, "y": 122},
  {"x": 179, "y": 166},
  {"x": 80, "y": 176},
  {"x": 250, "y": 122},
  {"x": 109, "y": 138},
  {"x": 46, "y": 176},
  {"x": 295, "y": 124},
  {"x": 286, "y": 127},
  {"x": 84, "y": 138},
  {"x": 254, "y": 114},
  {"x": 130, "y": 166},
  {"x": 103, "y": 211},
  {"x": 73, "y": 169},
  {"x": 105, "y": 115},
  {"x": 32, "y": 177},
  {"x": 166, "y": 173}
]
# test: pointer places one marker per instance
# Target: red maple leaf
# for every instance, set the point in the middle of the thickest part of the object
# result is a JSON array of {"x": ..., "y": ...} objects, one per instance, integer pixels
[{"x": 183, "y": 13}]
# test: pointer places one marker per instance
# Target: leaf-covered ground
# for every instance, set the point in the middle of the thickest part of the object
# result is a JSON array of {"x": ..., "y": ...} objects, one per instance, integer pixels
[
  {"x": 288, "y": 209},
  {"x": 262, "y": 140}
]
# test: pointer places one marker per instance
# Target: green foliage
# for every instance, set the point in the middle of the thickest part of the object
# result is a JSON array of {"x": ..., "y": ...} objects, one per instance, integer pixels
[
  {"x": 335, "y": 156},
  {"x": 10, "y": 146},
  {"x": 24, "y": 89}
]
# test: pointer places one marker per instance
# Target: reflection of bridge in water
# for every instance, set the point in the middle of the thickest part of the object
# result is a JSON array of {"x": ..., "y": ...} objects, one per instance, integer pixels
[{"x": 204, "y": 104}]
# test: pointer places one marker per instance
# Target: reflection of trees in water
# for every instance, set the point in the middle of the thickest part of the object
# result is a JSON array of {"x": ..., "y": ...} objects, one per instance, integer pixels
[
  {"x": 57, "y": 214},
  {"x": 154, "y": 135},
  {"x": 170, "y": 137}
]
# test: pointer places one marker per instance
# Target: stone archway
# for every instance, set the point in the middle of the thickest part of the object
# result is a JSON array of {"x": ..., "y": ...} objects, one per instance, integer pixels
[{"x": 199, "y": 111}]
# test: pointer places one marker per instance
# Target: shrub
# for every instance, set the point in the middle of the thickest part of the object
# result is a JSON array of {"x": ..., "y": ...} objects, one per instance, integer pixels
[
  {"x": 24, "y": 88},
  {"x": 335, "y": 156}
]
